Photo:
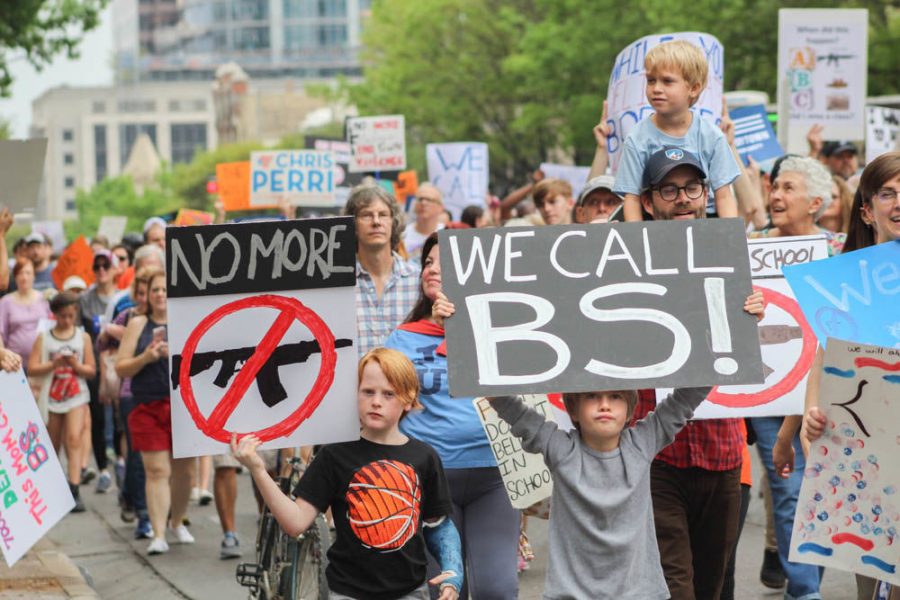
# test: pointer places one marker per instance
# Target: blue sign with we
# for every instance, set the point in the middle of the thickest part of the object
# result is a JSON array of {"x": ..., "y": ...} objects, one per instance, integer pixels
[{"x": 853, "y": 296}]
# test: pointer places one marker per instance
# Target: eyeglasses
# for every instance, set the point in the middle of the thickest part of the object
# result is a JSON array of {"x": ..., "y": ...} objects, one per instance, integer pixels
[
  {"x": 372, "y": 217},
  {"x": 121, "y": 257},
  {"x": 670, "y": 191},
  {"x": 886, "y": 195},
  {"x": 427, "y": 199},
  {"x": 102, "y": 266}
]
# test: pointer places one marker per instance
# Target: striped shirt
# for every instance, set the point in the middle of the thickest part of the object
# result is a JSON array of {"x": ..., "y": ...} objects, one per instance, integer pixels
[{"x": 377, "y": 317}]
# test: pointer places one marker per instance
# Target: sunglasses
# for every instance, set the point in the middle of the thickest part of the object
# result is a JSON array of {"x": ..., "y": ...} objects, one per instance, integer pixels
[
  {"x": 102, "y": 266},
  {"x": 121, "y": 257}
]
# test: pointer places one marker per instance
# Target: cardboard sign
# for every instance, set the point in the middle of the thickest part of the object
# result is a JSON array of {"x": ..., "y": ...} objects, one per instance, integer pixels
[
  {"x": 344, "y": 180},
  {"x": 259, "y": 337},
  {"x": 113, "y": 228},
  {"x": 576, "y": 176},
  {"x": 882, "y": 131},
  {"x": 460, "y": 171},
  {"x": 21, "y": 172},
  {"x": 853, "y": 296},
  {"x": 54, "y": 230},
  {"x": 187, "y": 216},
  {"x": 848, "y": 511},
  {"x": 754, "y": 136},
  {"x": 377, "y": 143},
  {"x": 525, "y": 475},
  {"x": 822, "y": 64},
  {"x": 34, "y": 492},
  {"x": 302, "y": 177},
  {"x": 233, "y": 181},
  {"x": 78, "y": 259},
  {"x": 787, "y": 341},
  {"x": 627, "y": 93},
  {"x": 598, "y": 307}
]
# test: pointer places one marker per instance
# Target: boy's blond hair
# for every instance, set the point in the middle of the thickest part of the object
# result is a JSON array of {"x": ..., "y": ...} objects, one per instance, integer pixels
[
  {"x": 684, "y": 56},
  {"x": 571, "y": 400},
  {"x": 550, "y": 188},
  {"x": 398, "y": 370}
]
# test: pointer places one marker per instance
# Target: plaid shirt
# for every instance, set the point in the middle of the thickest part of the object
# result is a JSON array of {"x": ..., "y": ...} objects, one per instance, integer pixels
[
  {"x": 711, "y": 444},
  {"x": 377, "y": 317}
]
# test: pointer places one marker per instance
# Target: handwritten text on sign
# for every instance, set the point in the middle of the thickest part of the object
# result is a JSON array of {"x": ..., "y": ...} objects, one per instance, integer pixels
[
  {"x": 377, "y": 143},
  {"x": 34, "y": 494},
  {"x": 299, "y": 176},
  {"x": 627, "y": 96},
  {"x": 848, "y": 512},
  {"x": 581, "y": 308},
  {"x": 525, "y": 476},
  {"x": 460, "y": 171}
]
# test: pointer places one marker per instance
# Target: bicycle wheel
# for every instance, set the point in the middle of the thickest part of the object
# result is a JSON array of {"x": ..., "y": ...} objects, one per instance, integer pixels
[{"x": 308, "y": 574}]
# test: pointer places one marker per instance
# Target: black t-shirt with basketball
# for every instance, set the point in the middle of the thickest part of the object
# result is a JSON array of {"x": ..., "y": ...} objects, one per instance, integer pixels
[{"x": 379, "y": 496}]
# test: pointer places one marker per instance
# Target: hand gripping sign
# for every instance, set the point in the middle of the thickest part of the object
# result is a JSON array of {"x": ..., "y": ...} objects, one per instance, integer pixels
[
  {"x": 598, "y": 307},
  {"x": 259, "y": 337}
]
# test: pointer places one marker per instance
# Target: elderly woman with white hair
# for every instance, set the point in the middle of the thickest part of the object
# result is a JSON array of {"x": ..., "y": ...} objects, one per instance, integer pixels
[{"x": 800, "y": 194}]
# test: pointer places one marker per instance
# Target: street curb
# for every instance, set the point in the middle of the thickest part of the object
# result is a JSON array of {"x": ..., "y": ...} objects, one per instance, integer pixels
[
  {"x": 67, "y": 574},
  {"x": 43, "y": 566}
]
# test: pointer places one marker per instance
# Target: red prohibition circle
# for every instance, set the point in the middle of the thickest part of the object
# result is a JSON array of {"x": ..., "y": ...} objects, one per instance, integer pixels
[
  {"x": 290, "y": 310},
  {"x": 793, "y": 377}
]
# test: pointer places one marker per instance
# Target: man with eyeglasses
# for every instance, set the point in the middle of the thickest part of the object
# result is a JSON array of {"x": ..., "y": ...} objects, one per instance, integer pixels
[
  {"x": 695, "y": 481},
  {"x": 429, "y": 208},
  {"x": 386, "y": 285},
  {"x": 93, "y": 305}
]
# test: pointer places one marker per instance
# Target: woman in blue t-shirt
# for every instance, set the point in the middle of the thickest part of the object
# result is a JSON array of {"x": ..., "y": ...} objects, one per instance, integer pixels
[{"x": 487, "y": 522}]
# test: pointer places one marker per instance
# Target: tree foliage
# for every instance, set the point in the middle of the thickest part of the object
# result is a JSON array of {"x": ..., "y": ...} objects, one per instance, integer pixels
[
  {"x": 529, "y": 76},
  {"x": 42, "y": 29}
]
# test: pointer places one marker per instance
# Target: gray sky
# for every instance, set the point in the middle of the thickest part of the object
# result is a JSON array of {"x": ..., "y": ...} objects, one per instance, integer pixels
[{"x": 93, "y": 68}]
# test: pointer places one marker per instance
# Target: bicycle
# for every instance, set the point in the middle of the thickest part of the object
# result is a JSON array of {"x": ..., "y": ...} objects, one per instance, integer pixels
[{"x": 287, "y": 568}]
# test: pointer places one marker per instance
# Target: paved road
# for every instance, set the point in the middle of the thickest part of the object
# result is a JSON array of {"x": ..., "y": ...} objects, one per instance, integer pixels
[{"x": 103, "y": 545}]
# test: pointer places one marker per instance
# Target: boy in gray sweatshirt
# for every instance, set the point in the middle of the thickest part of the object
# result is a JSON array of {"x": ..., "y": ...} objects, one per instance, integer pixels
[{"x": 602, "y": 538}]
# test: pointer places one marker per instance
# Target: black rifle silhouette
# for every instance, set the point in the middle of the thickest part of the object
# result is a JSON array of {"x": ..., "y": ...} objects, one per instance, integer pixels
[
  {"x": 834, "y": 59},
  {"x": 267, "y": 380}
]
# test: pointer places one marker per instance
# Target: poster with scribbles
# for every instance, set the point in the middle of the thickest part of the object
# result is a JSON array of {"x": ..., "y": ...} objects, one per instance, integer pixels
[{"x": 848, "y": 512}]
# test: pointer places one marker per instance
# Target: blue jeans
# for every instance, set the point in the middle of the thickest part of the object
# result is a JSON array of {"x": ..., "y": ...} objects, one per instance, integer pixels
[
  {"x": 134, "y": 491},
  {"x": 803, "y": 580}
]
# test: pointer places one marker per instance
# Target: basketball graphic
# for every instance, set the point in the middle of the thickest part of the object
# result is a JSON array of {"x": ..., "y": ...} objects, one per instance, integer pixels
[{"x": 384, "y": 502}]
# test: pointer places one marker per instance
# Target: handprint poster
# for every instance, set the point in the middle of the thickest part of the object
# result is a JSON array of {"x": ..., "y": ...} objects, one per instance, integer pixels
[{"x": 848, "y": 512}]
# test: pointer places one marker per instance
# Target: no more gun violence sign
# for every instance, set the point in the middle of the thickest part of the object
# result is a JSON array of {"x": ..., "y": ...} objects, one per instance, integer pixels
[{"x": 259, "y": 335}]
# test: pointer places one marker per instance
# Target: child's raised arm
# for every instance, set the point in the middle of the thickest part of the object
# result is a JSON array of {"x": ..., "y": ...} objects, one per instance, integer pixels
[
  {"x": 294, "y": 517},
  {"x": 538, "y": 435}
]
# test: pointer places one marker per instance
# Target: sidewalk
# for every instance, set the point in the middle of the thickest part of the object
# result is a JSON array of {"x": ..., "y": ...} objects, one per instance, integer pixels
[{"x": 44, "y": 573}]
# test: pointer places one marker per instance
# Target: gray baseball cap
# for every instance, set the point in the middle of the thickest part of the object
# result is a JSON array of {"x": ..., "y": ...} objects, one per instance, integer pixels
[{"x": 600, "y": 182}]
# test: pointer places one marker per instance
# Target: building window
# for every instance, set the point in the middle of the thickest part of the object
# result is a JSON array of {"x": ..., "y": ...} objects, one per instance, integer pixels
[
  {"x": 70, "y": 205},
  {"x": 332, "y": 8},
  {"x": 299, "y": 37},
  {"x": 297, "y": 9},
  {"x": 251, "y": 38},
  {"x": 250, "y": 10},
  {"x": 187, "y": 139},
  {"x": 134, "y": 105},
  {"x": 332, "y": 35},
  {"x": 69, "y": 182},
  {"x": 68, "y": 135},
  {"x": 98, "y": 107},
  {"x": 128, "y": 133},
  {"x": 100, "y": 152},
  {"x": 68, "y": 158}
]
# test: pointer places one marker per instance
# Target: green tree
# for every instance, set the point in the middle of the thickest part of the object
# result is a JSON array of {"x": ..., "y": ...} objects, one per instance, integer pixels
[
  {"x": 5, "y": 128},
  {"x": 42, "y": 29}
]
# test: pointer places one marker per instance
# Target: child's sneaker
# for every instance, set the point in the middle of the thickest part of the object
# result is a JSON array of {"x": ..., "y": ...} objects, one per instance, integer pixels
[
  {"x": 195, "y": 494},
  {"x": 205, "y": 498},
  {"x": 104, "y": 482},
  {"x": 144, "y": 530},
  {"x": 230, "y": 547},
  {"x": 157, "y": 546},
  {"x": 182, "y": 535}
]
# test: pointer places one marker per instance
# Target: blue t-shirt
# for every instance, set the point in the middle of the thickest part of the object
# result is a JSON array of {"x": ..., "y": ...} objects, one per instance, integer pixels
[
  {"x": 703, "y": 139},
  {"x": 449, "y": 425}
]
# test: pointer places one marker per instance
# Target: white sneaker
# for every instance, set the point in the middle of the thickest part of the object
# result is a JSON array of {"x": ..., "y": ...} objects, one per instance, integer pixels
[
  {"x": 158, "y": 546},
  {"x": 195, "y": 494},
  {"x": 182, "y": 535}
]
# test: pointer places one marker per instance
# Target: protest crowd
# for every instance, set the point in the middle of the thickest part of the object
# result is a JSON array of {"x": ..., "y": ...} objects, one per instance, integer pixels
[{"x": 647, "y": 503}]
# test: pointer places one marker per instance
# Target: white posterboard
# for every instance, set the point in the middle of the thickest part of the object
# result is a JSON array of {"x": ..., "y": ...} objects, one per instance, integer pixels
[
  {"x": 113, "y": 228},
  {"x": 627, "y": 94},
  {"x": 882, "y": 131},
  {"x": 21, "y": 171},
  {"x": 34, "y": 492},
  {"x": 525, "y": 476},
  {"x": 377, "y": 143},
  {"x": 460, "y": 171},
  {"x": 848, "y": 511},
  {"x": 787, "y": 342},
  {"x": 576, "y": 176},
  {"x": 301, "y": 177},
  {"x": 822, "y": 63},
  {"x": 54, "y": 230}
]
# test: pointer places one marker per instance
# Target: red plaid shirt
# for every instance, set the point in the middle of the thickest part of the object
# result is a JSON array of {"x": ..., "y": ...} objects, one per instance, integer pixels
[{"x": 711, "y": 444}]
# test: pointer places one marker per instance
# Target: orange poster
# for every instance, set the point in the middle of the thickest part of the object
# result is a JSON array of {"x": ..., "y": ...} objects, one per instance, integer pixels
[
  {"x": 187, "y": 216},
  {"x": 407, "y": 185},
  {"x": 233, "y": 180},
  {"x": 77, "y": 259}
]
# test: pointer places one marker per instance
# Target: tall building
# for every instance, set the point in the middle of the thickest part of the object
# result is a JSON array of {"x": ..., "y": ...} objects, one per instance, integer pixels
[{"x": 177, "y": 40}]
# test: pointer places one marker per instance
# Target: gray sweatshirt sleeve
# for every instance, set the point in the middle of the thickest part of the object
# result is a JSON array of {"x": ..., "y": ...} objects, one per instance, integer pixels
[
  {"x": 659, "y": 428},
  {"x": 537, "y": 434}
]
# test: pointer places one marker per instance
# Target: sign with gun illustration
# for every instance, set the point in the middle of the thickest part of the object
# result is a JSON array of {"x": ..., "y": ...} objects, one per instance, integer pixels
[
  {"x": 261, "y": 333},
  {"x": 787, "y": 341}
]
